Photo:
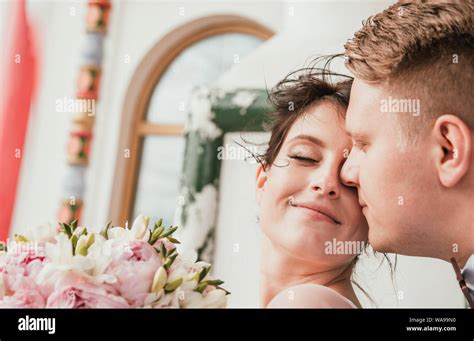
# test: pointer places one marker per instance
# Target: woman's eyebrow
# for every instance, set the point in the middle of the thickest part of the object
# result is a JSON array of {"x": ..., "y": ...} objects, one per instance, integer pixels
[{"x": 309, "y": 138}]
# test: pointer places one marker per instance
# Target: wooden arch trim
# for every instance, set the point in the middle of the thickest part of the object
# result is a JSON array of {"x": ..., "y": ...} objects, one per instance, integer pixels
[{"x": 139, "y": 92}]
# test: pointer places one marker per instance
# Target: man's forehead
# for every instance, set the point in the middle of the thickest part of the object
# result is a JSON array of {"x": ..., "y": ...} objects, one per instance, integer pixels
[
  {"x": 356, "y": 128},
  {"x": 364, "y": 107},
  {"x": 357, "y": 120}
]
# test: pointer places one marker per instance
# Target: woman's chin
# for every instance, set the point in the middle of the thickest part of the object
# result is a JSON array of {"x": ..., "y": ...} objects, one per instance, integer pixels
[
  {"x": 314, "y": 229},
  {"x": 308, "y": 237}
]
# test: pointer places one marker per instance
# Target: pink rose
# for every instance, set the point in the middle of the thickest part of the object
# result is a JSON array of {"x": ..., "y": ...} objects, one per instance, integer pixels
[
  {"x": 85, "y": 295},
  {"x": 20, "y": 291},
  {"x": 57, "y": 281},
  {"x": 23, "y": 254},
  {"x": 19, "y": 271},
  {"x": 134, "y": 265},
  {"x": 23, "y": 299},
  {"x": 16, "y": 280}
]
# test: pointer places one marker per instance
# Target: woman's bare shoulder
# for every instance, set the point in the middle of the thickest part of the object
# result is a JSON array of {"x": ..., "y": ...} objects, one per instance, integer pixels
[{"x": 310, "y": 296}]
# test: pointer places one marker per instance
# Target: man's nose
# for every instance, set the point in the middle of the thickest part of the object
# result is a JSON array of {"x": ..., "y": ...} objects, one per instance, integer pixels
[{"x": 350, "y": 172}]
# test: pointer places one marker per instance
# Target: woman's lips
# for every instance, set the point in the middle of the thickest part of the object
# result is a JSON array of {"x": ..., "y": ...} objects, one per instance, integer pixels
[{"x": 317, "y": 214}]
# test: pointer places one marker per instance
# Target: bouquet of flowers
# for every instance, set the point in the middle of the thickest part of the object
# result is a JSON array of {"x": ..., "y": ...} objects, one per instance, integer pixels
[{"x": 120, "y": 267}]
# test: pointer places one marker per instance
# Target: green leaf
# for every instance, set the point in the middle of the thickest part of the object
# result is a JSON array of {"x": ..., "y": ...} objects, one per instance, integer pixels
[
  {"x": 74, "y": 240},
  {"x": 172, "y": 286},
  {"x": 174, "y": 241},
  {"x": 156, "y": 235},
  {"x": 203, "y": 273},
  {"x": 66, "y": 229},
  {"x": 226, "y": 292},
  {"x": 163, "y": 250},
  {"x": 158, "y": 223},
  {"x": 170, "y": 260},
  {"x": 169, "y": 231},
  {"x": 73, "y": 225},
  {"x": 214, "y": 282},
  {"x": 194, "y": 277},
  {"x": 201, "y": 287},
  {"x": 158, "y": 231},
  {"x": 90, "y": 240},
  {"x": 105, "y": 230}
]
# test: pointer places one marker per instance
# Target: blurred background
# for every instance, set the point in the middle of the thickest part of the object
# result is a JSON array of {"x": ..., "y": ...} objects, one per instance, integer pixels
[{"x": 138, "y": 64}]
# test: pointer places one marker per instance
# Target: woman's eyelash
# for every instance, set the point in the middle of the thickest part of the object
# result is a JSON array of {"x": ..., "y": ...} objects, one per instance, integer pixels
[{"x": 303, "y": 158}]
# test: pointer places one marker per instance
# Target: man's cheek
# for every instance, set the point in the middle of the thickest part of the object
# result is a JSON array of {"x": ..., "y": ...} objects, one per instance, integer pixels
[{"x": 371, "y": 178}]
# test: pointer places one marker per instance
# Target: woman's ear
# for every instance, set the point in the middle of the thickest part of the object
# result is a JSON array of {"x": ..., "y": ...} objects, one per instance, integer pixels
[
  {"x": 261, "y": 178},
  {"x": 454, "y": 148}
]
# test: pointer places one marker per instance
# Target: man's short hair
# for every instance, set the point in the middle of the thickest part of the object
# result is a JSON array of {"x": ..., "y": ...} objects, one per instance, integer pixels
[{"x": 420, "y": 50}]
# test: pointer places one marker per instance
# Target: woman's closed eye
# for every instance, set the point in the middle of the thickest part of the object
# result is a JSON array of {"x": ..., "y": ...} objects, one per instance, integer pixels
[{"x": 303, "y": 158}]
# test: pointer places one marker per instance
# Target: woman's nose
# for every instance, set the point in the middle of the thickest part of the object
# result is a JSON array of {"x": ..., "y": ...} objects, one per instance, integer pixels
[{"x": 327, "y": 183}]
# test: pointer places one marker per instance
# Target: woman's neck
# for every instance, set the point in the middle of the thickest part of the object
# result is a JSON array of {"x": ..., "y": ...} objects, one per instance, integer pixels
[{"x": 280, "y": 270}]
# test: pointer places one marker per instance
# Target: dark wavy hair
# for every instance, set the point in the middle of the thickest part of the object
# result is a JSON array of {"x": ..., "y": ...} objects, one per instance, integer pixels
[{"x": 298, "y": 91}]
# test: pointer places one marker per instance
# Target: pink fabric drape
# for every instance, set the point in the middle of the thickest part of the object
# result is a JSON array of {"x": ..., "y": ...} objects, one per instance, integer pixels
[{"x": 17, "y": 79}]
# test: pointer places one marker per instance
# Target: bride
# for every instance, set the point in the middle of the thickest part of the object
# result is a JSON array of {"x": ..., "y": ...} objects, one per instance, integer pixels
[{"x": 303, "y": 204}]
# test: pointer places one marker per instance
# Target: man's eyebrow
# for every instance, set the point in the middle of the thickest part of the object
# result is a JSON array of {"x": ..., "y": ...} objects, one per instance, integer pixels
[
  {"x": 309, "y": 138},
  {"x": 356, "y": 135}
]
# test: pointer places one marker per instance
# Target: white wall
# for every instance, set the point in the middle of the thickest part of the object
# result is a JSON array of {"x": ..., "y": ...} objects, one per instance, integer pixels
[
  {"x": 4, "y": 9},
  {"x": 311, "y": 28},
  {"x": 237, "y": 243},
  {"x": 134, "y": 28},
  {"x": 58, "y": 34}
]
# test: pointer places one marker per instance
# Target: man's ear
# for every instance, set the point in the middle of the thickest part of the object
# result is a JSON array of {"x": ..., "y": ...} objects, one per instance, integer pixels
[
  {"x": 453, "y": 149},
  {"x": 261, "y": 178}
]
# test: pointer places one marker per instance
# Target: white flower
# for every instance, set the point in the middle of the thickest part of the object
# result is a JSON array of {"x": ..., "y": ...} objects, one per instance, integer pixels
[
  {"x": 83, "y": 244},
  {"x": 61, "y": 259},
  {"x": 100, "y": 253},
  {"x": 153, "y": 298},
  {"x": 140, "y": 227},
  {"x": 61, "y": 255},
  {"x": 214, "y": 299},
  {"x": 159, "y": 280},
  {"x": 138, "y": 231}
]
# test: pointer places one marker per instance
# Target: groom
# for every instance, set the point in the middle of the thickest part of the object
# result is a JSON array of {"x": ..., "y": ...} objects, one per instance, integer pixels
[{"x": 411, "y": 118}]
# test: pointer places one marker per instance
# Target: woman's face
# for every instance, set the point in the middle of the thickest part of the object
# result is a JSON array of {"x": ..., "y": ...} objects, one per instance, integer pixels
[{"x": 323, "y": 212}]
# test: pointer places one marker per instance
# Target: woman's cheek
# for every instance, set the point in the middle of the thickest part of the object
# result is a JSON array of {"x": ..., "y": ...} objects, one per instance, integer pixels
[{"x": 275, "y": 197}]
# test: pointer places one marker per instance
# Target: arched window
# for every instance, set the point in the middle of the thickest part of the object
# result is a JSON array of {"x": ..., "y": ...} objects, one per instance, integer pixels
[{"x": 152, "y": 142}]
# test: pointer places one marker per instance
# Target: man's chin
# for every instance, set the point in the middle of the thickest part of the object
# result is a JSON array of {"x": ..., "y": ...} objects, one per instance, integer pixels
[{"x": 380, "y": 242}]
